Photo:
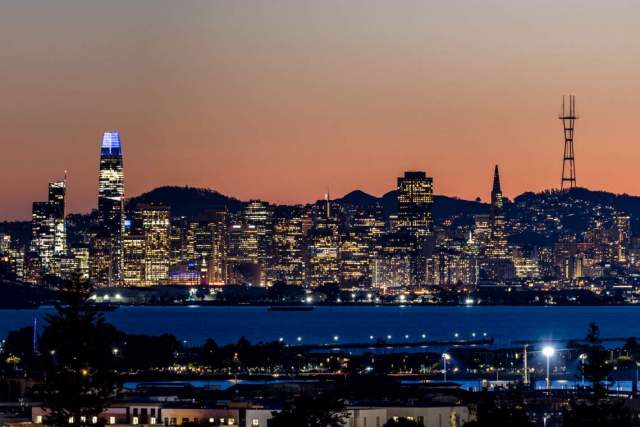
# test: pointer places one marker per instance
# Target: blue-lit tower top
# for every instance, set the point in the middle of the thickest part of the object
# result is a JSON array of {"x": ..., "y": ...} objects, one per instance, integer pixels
[{"x": 111, "y": 144}]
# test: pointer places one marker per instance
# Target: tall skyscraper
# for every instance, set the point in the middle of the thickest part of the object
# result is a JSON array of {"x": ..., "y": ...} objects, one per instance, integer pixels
[
  {"x": 49, "y": 238},
  {"x": 497, "y": 246},
  {"x": 57, "y": 193},
  {"x": 415, "y": 204},
  {"x": 111, "y": 199}
]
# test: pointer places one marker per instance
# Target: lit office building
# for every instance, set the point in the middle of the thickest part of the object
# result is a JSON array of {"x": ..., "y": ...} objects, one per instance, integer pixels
[
  {"x": 322, "y": 257},
  {"x": 134, "y": 260},
  {"x": 207, "y": 247},
  {"x": 288, "y": 240},
  {"x": 100, "y": 258},
  {"x": 452, "y": 269},
  {"x": 43, "y": 229},
  {"x": 5, "y": 243},
  {"x": 155, "y": 223},
  {"x": 497, "y": 245},
  {"x": 622, "y": 235},
  {"x": 415, "y": 204},
  {"x": 394, "y": 265},
  {"x": 259, "y": 214},
  {"x": 323, "y": 243},
  {"x": 355, "y": 259},
  {"x": 111, "y": 198},
  {"x": 217, "y": 261},
  {"x": 81, "y": 256},
  {"x": 391, "y": 272},
  {"x": 57, "y": 192},
  {"x": 242, "y": 259},
  {"x": 49, "y": 238}
]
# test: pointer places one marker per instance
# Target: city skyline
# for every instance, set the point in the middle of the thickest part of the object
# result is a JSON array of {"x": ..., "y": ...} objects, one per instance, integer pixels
[{"x": 390, "y": 88}]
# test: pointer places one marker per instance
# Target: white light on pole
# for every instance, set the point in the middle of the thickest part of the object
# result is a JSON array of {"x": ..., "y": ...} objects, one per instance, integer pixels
[
  {"x": 583, "y": 357},
  {"x": 548, "y": 352},
  {"x": 445, "y": 358}
]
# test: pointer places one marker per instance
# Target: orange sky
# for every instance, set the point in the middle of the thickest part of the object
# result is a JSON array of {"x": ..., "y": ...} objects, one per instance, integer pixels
[{"x": 280, "y": 99}]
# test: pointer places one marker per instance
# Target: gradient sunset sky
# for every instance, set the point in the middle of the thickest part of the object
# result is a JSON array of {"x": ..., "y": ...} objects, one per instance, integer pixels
[{"x": 279, "y": 99}]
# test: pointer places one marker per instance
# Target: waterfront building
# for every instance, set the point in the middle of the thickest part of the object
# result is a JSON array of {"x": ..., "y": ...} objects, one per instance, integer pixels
[{"x": 111, "y": 199}]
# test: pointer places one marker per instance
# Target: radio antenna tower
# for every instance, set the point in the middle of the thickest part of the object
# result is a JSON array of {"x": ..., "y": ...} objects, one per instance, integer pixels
[{"x": 568, "y": 117}]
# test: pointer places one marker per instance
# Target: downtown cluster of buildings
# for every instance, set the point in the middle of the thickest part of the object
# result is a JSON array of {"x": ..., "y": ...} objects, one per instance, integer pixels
[{"x": 311, "y": 245}]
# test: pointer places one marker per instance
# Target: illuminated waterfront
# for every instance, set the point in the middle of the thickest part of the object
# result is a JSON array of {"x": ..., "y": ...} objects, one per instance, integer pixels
[{"x": 351, "y": 324}]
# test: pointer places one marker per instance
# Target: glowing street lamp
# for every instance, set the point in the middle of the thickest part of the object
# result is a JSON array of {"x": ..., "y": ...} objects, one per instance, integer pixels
[
  {"x": 582, "y": 357},
  {"x": 445, "y": 358},
  {"x": 548, "y": 352}
]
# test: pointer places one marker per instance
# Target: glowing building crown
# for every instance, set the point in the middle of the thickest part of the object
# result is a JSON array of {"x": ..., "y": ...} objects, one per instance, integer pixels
[{"x": 111, "y": 144}]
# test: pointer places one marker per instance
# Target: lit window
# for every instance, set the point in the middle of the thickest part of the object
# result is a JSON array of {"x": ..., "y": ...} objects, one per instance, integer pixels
[
  {"x": 38, "y": 419},
  {"x": 135, "y": 420},
  {"x": 255, "y": 422},
  {"x": 211, "y": 420},
  {"x": 232, "y": 421},
  {"x": 94, "y": 420},
  {"x": 70, "y": 420},
  {"x": 112, "y": 420},
  {"x": 152, "y": 420},
  {"x": 83, "y": 419}
]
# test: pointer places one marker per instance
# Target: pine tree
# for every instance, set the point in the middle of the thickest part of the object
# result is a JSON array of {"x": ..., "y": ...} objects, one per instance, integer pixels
[{"x": 76, "y": 346}]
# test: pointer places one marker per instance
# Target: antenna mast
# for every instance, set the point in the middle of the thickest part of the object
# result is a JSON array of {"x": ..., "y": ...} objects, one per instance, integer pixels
[{"x": 568, "y": 117}]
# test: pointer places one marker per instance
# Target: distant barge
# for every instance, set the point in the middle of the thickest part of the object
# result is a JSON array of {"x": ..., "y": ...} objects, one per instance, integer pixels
[{"x": 291, "y": 308}]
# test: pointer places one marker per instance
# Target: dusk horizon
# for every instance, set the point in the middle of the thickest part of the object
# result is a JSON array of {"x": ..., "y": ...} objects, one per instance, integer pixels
[{"x": 260, "y": 101}]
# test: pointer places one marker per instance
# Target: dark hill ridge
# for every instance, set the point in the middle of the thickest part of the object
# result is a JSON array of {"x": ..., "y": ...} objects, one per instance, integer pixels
[
  {"x": 443, "y": 206},
  {"x": 620, "y": 202},
  {"x": 186, "y": 201},
  {"x": 191, "y": 202}
]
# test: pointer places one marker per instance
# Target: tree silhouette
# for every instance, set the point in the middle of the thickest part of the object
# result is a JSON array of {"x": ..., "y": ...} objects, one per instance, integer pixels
[
  {"x": 311, "y": 412},
  {"x": 596, "y": 367},
  {"x": 76, "y": 347}
]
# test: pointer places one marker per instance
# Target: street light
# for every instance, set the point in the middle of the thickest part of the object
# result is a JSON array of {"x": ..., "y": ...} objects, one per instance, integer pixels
[
  {"x": 582, "y": 357},
  {"x": 445, "y": 357},
  {"x": 548, "y": 352}
]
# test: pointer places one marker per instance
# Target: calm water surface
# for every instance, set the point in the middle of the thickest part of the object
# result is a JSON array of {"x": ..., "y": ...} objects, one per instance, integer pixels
[{"x": 357, "y": 323}]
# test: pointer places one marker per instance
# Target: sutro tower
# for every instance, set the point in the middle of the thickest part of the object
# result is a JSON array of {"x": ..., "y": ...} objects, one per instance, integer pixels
[{"x": 568, "y": 117}]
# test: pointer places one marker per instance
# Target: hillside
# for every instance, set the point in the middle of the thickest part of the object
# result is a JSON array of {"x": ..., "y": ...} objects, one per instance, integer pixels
[
  {"x": 186, "y": 201},
  {"x": 443, "y": 206}
]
